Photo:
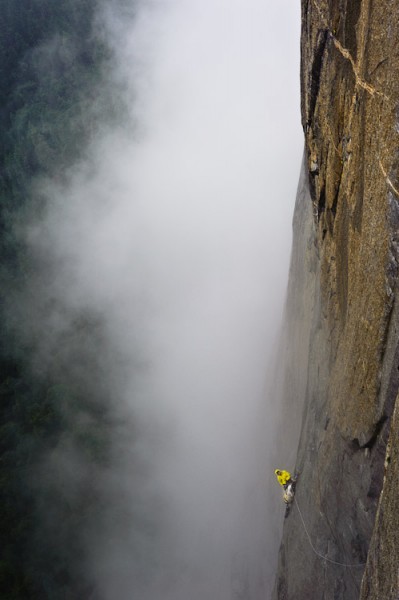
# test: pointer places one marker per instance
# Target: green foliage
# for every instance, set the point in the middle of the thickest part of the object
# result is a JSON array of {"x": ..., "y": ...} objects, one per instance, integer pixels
[{"x": 50, "y": 73}]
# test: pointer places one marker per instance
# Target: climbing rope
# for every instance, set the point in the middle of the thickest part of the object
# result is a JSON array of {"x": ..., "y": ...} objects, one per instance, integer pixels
[{"x": 334, "y": 562}]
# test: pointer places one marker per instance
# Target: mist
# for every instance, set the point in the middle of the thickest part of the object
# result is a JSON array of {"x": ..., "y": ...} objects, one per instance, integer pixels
[{"x": 175, "y": 231}]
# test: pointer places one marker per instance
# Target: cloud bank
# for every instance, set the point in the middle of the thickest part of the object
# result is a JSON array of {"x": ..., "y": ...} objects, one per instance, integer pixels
[{"x": 176, "y": 230}]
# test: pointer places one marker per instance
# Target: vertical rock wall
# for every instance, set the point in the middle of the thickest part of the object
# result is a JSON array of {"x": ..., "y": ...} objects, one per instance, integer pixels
[{"x": 350, "y": 85}]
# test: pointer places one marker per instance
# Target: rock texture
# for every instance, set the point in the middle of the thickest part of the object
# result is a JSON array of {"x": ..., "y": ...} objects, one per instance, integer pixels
[{"x": 341, "y": 539}]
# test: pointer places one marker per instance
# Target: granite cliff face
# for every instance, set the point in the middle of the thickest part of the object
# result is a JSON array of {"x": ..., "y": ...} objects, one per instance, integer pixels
[{"x": 343, "y": 292}]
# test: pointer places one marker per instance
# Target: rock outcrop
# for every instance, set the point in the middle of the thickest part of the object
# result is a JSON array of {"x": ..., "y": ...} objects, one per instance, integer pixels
[{"x": 341, "y": 539}]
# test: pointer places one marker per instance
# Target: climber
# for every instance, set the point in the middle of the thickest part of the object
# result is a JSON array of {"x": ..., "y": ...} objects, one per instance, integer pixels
[{"x": 284, "y": 478}]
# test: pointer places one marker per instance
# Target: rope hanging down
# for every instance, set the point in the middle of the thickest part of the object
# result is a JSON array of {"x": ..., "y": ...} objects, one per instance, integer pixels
[{"x": 334, "y": 562}]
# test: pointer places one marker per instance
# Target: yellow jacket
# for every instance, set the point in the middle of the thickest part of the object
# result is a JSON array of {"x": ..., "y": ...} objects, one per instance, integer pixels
[{"x": 283, "y": 477}]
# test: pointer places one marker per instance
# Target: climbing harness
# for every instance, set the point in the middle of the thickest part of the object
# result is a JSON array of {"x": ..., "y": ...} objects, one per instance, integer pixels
[{"x": 334, "y": 562}]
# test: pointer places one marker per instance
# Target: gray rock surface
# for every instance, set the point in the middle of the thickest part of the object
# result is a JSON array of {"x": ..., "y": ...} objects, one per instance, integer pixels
[{"x": 342, "y": 310}]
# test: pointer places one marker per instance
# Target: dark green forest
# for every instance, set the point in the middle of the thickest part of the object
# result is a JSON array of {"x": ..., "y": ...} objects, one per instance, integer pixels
[{"x": 51, "y": 66}]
